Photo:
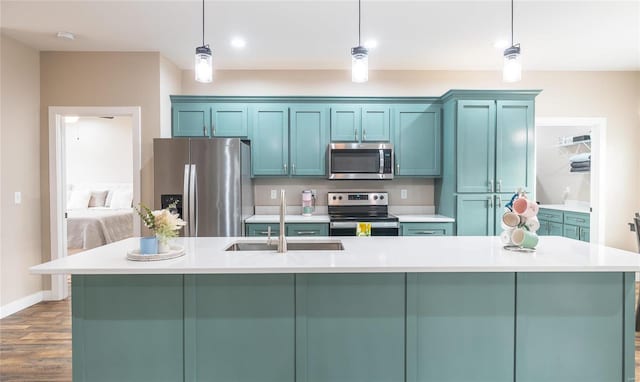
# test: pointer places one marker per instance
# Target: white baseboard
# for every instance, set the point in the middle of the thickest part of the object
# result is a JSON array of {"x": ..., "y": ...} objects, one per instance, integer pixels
[
  {"x": 47, "y": 295},
  {"x": 18, "y": 305}
]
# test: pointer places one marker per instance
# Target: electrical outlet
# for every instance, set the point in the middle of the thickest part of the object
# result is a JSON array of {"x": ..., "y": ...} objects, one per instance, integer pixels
[
  {"x": 274, "y": 194},
  {"x": 403, "y": 194},
  {"x": 17, "y": 197}
]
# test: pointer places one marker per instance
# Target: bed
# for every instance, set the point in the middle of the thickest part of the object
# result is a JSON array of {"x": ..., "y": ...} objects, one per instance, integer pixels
[{"x": 98, "y": 215}]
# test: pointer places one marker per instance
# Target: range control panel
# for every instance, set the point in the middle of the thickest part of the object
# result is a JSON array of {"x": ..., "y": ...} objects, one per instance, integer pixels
[{"x": 358, "y": 198}]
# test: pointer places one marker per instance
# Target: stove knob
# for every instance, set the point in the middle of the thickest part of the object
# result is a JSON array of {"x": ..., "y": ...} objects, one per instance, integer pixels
[
  {"x": 334, "y": 198},
  {"x": 340, "y": 197},
  {"x": 381, "y": 197},
  {"x": 375, "y": 197}
]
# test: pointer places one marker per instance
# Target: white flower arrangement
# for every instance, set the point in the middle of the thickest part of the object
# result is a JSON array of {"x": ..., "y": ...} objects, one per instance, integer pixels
[{"x": 164, "y": 223}]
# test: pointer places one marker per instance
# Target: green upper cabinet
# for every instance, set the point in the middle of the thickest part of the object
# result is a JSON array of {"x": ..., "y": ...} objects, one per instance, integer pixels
[
  {"x": 514, "y": 146},
  {"x": 270, "y": 140},
  {"x": 360, "y": 123},
  {"x": 375, "y": 123},
  {"x": 495, "y": 146},
  {"x": 309, "y": 137},
  {"x": 191, "y": 119},
  {"x": 475, "y": 146},
  {"x": 230, "y": 120},
  {"x": 417, "y": 140},
  {"x": 345, "y": 123}
]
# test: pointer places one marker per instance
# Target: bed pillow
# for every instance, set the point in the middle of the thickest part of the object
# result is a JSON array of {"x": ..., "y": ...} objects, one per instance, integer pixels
[
  {"x": 98, "y": 198},
  {"x": 79, "y": 199},
  {"x": 121, "y": 199}
]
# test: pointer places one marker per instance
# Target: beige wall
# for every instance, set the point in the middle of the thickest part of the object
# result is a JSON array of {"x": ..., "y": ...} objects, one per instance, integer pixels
[
  {"x": 612, "y": 95},
  {"x": 20, "y": 239},
  {"x": 99, "y": 79},
  {"x": 170, "y": 83},
  {"x": 555, "y": 182}
]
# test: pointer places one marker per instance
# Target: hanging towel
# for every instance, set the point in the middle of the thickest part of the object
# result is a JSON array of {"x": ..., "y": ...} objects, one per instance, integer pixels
[
  {"x": 580, "y": 157},
  {"x": 586, "y": 164}
]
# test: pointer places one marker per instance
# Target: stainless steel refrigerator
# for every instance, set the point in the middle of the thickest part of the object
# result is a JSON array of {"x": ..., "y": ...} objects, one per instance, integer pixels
[{"x": 209, "y": 179}]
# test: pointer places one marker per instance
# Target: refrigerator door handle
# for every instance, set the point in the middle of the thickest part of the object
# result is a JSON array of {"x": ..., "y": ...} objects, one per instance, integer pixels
[
  {"x": 186, "y": 202},
  {"x": 193, "y": 201}
]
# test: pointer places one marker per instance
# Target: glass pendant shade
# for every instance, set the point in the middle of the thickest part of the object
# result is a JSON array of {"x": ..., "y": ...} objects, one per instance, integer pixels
[
  {"x": 204, "y": 64},
  {"x": 512, "y": 69},
  {"x": 359, "y": 64}
]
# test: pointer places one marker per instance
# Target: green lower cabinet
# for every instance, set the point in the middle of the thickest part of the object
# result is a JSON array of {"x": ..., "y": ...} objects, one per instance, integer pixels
[
  {"x": 585, "y": 234},
  {"x": 480, "y": 214},
  {"x": 569, "y": 327},
  {"x": 460, "y": 327},
  {"x": 350, "y": 327},
  {"x": 307, "y": 229},
  {"x": 426, "y": 229},
  {"x": 259, "y": 229},
  {"x": 239, "y": 328},
  {"x": 127, "y": 328},
  {"x": 549, "y": 228},
  {"x": 571, "y": 231}
]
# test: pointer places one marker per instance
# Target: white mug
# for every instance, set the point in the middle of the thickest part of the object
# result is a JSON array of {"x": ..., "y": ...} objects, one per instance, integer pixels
[
  {"x": 532, "y": 224},
  {"x": 505, "y": 237}
]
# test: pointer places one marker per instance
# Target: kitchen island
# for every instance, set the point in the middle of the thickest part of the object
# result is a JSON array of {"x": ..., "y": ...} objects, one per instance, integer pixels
[{"x": 382, "y": 309}]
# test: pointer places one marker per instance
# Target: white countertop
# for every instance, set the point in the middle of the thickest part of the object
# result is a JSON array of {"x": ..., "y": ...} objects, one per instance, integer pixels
[
  {"x": 566, "y": 208},
  {"x": 288, "y": 219},
  {"x": 425, "y": 219},
  {"x": 325, "y": 219},
  {"x": 360, "y": 255}
]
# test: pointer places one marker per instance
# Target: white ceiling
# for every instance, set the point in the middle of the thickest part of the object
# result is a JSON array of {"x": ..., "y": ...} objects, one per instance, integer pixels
[{"x": 452, "y": 35}]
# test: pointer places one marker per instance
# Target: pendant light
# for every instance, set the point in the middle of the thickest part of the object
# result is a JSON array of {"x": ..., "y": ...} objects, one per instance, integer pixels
[
  {"x": 359, "y": 58},
  {"x": 204, "y": 58},
  {"x": 512, "y": 70}
]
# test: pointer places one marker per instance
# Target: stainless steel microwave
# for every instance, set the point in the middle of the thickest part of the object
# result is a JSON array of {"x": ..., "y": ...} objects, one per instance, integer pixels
[{"x": 360, "y": 160}]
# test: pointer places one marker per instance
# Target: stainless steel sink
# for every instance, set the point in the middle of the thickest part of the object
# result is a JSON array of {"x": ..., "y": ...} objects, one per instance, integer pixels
[{"x": 327, "y": 245}]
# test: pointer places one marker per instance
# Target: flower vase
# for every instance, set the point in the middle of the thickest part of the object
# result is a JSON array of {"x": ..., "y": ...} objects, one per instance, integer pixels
[{"x": 163, "y": 244}]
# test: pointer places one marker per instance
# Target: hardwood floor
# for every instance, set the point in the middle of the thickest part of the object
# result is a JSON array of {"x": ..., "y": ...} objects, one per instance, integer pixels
[{"x": 35, "y": 344}]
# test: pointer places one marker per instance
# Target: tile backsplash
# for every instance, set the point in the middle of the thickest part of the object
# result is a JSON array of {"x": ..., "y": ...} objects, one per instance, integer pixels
[{"x": 420, "y": 192}]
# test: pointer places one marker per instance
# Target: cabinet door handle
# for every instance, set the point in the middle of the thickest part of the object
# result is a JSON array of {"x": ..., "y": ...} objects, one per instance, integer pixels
[
  {"x": 490, "y": 185},
  {"x": 397, "y": 167},
  {"x": 204, "y": 131},
  {"x": 364, "y": 134},
  {"x": 490, "y": 201},
  {"x": 355, "y": 134},
  {"x": 498, "y": 200},
  {"x": 499, "y": 186},
  {"x": 293, "y": 168},
  {"x": 285, "y": 168}
]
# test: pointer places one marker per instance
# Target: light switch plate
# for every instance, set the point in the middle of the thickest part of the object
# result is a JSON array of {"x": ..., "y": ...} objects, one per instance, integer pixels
[
  {"x": 403, "y": 194},
  {"x": 17, "y": 197},
  {"x": 274, "y": 194}
]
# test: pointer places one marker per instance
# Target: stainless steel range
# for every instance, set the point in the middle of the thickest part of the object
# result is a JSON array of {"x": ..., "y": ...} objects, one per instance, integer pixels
[{"x": 348, "y": 208}]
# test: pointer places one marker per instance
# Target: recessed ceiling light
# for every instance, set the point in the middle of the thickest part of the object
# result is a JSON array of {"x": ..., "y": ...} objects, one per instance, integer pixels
[
  {"x": 501, "y": 44},
  {"x": 371, "y": 44},
  {"x": 66, "y": 36},
  {"x": 238, "y": 42}
]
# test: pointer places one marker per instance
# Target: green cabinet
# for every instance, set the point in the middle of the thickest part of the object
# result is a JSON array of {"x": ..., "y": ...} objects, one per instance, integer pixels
[
  {"x": 360, "y": 123},
  {"x": 495, "y": 146},
  {"x": 350, "y": 327},
  {"x": 309, "y": 137},
  {"x": 480, "y": 214},
  {"x": 574, "y": 225},
  {"x": 456, "y": 319},
  {"x": 204, "y": 119},
  {"x": 191, "y": 119},
  {"x": 291, "y": 229},
  {"x": 426, "y": 229},
  {"x": 270, "y": 140},
  {"x": 307, "y": 229},
  {"x": 232, "y": 325},
  {"x": 417, "y": 140},
  {"x": 229, "y": 120}
]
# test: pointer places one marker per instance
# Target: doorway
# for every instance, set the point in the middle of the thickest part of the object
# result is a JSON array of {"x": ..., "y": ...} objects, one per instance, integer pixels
[
  {"x": 64, "y": 178},
  {"x": 570, "y": 158}
]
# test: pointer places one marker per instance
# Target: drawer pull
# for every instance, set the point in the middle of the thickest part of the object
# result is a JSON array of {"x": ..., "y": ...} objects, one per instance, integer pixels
[
  {"x": 579, "y": 220},
  {"x": 306, "y": 232},
  {"x": 426, "y": 232}
]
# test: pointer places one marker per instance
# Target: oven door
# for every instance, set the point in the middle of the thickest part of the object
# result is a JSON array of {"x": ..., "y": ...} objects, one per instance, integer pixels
[{"x": 377, "y": 228}]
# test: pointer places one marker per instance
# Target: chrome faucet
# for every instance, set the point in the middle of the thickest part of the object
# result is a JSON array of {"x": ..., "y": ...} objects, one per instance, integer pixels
[{"x": 282, "y": 240}]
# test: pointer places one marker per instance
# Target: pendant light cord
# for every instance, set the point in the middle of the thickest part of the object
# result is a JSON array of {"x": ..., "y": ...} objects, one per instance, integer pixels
[
  {"x": 511, "y": 22},
  {"x": 360, "y": 22},
  {"x": 203, "y": 23}
]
